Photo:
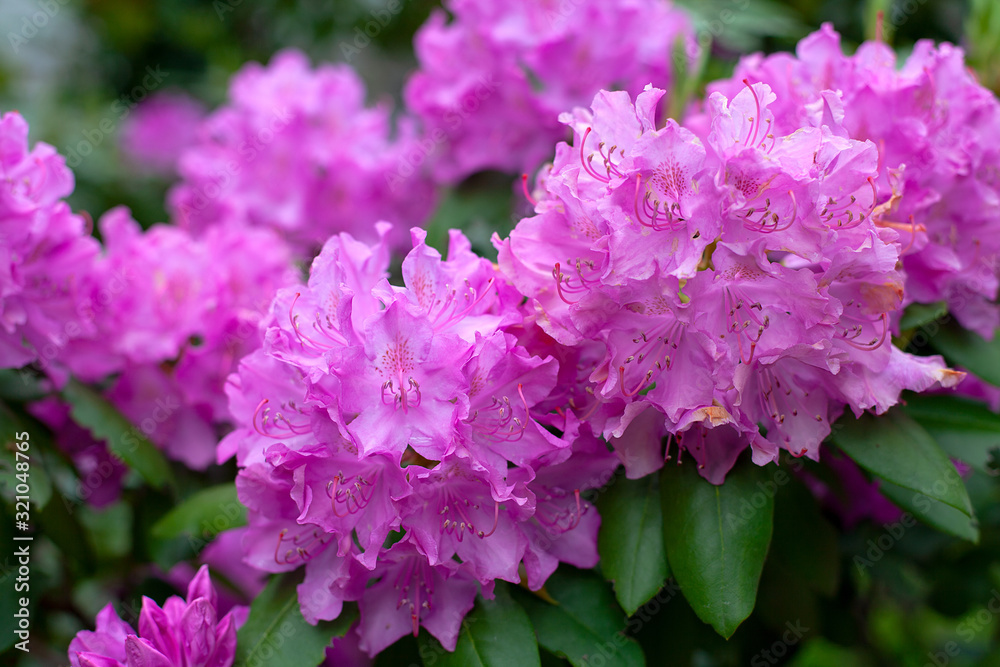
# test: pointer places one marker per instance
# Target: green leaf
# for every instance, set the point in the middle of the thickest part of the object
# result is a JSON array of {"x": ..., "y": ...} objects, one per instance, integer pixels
[
  {"x": 898, "y": 450},
  {"x": 109, "y": 529},
  {"x": 717, "y": 539},
  {"x": 631, "y": 540},
  {"x": 276, "y": 634},
  {"x": 820, "y": 652},
  {"x": 480, "y": 207},
  {"x": 20, "y": 385},
  {"x": 204, "y": 514},
  {"x": 965, "y": 429},
  {"x": 935, "y": 514},
  {"x": 967, "y": 349},
  {"x": 93, "y": 412},
  {"x": 586, "y": 622},
  {"x": 920, "y": 314},
  {"x": 494, "y": 634}
]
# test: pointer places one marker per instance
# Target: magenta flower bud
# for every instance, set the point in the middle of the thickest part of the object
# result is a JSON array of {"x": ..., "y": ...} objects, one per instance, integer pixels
[{"x": 185, "y": 633}]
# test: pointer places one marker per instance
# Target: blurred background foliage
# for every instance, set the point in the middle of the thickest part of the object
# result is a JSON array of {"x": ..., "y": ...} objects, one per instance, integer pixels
[{"x": 903, "y": 609}]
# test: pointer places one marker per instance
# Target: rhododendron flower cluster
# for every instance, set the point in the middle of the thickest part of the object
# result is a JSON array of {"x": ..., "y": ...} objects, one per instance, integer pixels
[
  {"x": 167, "y": 314},
  {"x": 493, "y": 79},
  {"x": 182, "y": 632},
  {"x": 741, "y": 286},
  {"x": 156, "y": 132},
  {"x": 392, "y": 436},
  {"x": 938, "y": 167},
  {"x": 45, "y": 251},
  {"x": 186, "y": 312},
  {"x": 341, "y": 168}
]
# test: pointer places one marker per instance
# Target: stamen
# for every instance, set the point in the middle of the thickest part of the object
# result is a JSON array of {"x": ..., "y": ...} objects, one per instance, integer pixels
[
  {"x": 579, "y": 510},
  {"x": 471, "y": 294},
  {"x": 875, "y": 343},
  {"x": 266, "y": 431},
  {"x": 299, "y": 553},
  {"x": 527, "y": 193},
  {"x": 254, "y": 420},
  {"x": 755, "y": 122},
  {"x": 293, "y": 319},
  {"x": 585, "y": 161},
  {"x": 496, "y": 520},
  {"x": 339, "y": 490},
  {"x": 560, "y": 278}
]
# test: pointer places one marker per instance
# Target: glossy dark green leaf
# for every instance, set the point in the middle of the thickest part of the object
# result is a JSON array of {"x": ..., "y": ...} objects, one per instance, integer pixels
[
  {"x": 967, "y": 349},
  {"x": 494, "y": 634},
  {"x": 897, "y": 449},
  {"x": 277, "y": 635},
  {"x": 965, "y": 429},
  {"x": 717, "y": 538},
  {"x": 94, "y": 413},
  {"x": 204, "y": 514},
  {"x": 919, "y": 314},
  {"x": 631, "y": 540},
  {"x": 932, "y": 512},
  {"x": 586, "y": 623}
]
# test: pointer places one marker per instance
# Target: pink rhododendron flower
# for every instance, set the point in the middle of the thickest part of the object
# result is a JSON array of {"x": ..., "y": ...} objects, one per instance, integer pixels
[
  {"x": 184, "y": 633},
  {"x": 738, "y": 283},
  {"x": 391, "y": 440},
  {"x": 46, "y": 252},
  {"x": 174, "y": 314},
  {"x": 494, "y": 78},
  {"x": 342, "y": 166},
  {"x": 932, "y": 124},
  {"x": 158, "y": 130}
]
